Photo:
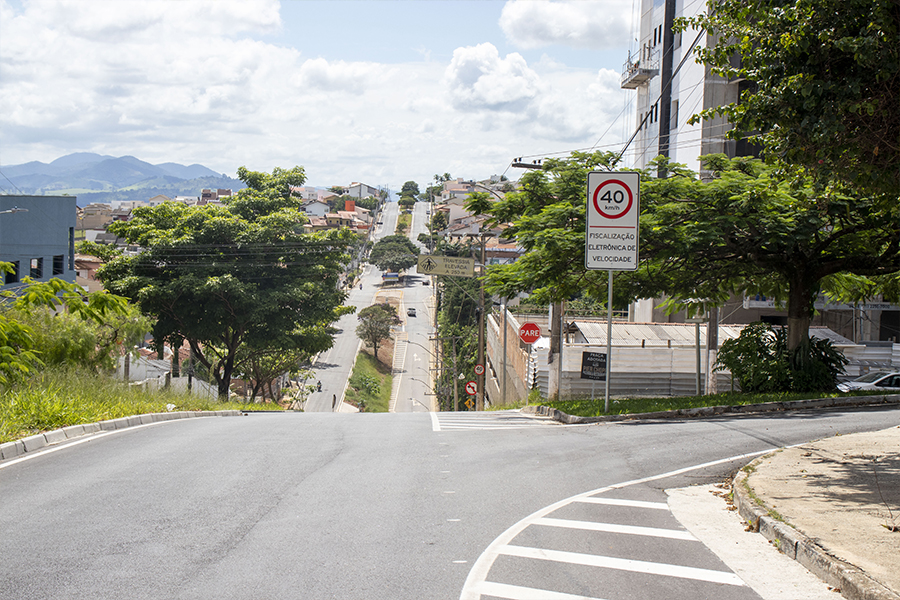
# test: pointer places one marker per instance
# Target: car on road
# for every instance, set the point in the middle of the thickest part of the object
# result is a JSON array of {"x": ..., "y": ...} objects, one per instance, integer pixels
[
  {"x": 874, "y": 380},
  {"x": 411, "y": 312}
]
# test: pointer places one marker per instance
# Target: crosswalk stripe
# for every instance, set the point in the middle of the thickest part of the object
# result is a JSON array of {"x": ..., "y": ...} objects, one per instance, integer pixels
[
  {"x": 517, "y": 592},
  {"x": 672, "y": 534},
  {"x": 622, "y": 564},
  {"x": 618, "y": 502}
]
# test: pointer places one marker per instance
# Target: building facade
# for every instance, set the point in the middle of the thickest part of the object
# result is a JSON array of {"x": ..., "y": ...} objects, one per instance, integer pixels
[{"x": 37, "y": 235}]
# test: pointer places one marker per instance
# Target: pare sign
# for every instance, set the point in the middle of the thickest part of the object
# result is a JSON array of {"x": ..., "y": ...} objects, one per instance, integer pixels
[{"x": 613, "y": 221}]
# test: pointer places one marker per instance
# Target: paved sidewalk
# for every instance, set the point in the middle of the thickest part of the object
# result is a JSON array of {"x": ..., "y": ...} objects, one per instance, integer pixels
[{"x": 834, "y": 506}]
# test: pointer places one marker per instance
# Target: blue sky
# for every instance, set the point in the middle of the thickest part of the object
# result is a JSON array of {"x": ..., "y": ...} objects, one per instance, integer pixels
[{"x": 375, "y": 91}]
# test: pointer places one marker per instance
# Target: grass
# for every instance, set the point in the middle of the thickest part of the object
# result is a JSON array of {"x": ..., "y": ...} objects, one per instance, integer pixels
[
  {"x": 585, "y": 407},
  {"x": 370, "y": 384},
  {"x": 59, "y": 398}
]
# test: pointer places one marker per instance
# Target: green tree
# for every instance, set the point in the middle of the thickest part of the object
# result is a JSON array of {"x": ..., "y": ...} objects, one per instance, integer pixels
[
  {"x": 410, "y": 188},
  {"x": 222, "y": 277},
  {"x": 105, "y": 252},
  {"x": 407, "y": 201},
  {"x": 29, "y": 336},
  {"x": 825, "y": 93},
  {"x": 375, "y": 324},
  {"x": 747, "y": 231},
  {"x": 394, "y": 253}
]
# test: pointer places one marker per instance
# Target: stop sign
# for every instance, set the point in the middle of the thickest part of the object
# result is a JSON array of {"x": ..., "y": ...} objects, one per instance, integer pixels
[{"x": 529, "y": 333}]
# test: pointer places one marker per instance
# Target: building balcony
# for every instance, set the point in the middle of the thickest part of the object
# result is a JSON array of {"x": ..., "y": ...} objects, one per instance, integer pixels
[{"x": 639, "y": 69}]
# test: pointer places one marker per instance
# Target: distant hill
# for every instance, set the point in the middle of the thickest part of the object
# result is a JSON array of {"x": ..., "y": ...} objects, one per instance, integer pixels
[{"x": 98, "y": 178}]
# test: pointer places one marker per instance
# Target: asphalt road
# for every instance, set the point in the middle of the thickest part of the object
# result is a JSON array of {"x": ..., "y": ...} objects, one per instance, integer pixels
[{"x": 394, "y": 506}]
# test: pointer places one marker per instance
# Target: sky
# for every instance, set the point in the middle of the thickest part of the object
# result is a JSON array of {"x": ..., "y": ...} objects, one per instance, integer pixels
[{"x": 379, "y": 92}]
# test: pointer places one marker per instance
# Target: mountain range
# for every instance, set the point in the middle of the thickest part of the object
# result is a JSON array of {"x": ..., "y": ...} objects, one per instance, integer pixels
[{"x": 101, "y": 178}]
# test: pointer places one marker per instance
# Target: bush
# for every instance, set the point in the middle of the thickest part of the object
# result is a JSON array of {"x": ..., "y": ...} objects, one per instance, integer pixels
[{"x": 760, "y": 361}]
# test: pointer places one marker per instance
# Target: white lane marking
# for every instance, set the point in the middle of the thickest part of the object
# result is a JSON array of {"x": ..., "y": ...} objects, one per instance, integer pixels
[
  {"x": 515, "y": 592},
  {"x": 623, "y": 564},
  {"x": 672, "y": 534},
  {"x": 482, "y": 566},
  {"x": 88, "y": 438},
  {"x": 631, "y": 503},
  {"x": 435, "y": 424}
]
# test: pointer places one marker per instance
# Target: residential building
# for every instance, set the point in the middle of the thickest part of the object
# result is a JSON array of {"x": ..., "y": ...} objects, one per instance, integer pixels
[
  {"x": 94, "y": 216},
  {"x": 316, "y": 208},
  {"x": 208, "y": 196},
  {"x": 37, "y": 235},
  {"x": 361, "y": 190}
]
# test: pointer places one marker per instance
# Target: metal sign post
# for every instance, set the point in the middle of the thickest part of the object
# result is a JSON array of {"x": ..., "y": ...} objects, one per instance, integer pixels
[{"x": 612, "y": 235}]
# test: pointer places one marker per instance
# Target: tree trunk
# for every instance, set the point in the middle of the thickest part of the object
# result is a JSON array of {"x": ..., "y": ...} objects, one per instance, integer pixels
[{"x": 801, "y": 302}]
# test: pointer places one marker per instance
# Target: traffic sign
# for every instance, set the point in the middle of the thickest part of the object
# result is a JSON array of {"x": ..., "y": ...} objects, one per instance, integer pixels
[
  {"x": 529, "y": 333},
  {"x": 471, "y": 388},
  {"x": 470, "y": 403},
  {"x": 613, "y": 221},
  {"x": 479, "y": 369}
]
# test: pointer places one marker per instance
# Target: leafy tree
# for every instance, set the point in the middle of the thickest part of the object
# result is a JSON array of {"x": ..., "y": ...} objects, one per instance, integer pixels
[
  {"x": 457, "y": 333},
  {"x": 105, "y": 252},
  {"x": 743, "y": 231},
  {"x": 547, "y": 220},
  {"x": 825, "y": 93},
  {"x": 394, "y": 253},
  {"x": 410, "y": 188},
  {"x": 407, "y": 201},
  {"x": 244, "y": 274},
  {"x": 375, "y": 324},
  {"x": 29, "y": 337},
  {"x": 746, "y": 231}
]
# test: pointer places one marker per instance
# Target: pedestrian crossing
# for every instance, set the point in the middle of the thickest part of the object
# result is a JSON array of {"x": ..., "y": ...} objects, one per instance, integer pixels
[
  {"x": 599, "y": 546},
  {"x": 488, "y": 421}
]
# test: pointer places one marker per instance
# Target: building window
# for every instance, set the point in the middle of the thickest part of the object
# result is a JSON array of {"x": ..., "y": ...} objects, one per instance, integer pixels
[
  {"x": 37, "y": 268},
  {"x": 673, "y": 119},
  {"x": 59, "y": 264},
  {"x": 13, "y": 276}
]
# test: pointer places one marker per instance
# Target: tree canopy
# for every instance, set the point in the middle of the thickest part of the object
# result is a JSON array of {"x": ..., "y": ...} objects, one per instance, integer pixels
[
  {"x": 394, "y": 253},
  {"x": 238, "y": 277},
  {"x": 743, "y": 231},
  {"x": 825, "y": 84},
  {"x": 375, "y": 324}
]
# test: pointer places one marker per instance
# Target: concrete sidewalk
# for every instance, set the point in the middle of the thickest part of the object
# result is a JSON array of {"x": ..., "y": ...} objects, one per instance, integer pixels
[{"x": 834, "y": 506}]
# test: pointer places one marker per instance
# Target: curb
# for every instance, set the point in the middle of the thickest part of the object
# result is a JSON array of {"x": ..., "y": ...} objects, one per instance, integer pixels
[
  {"x": 36, "y": 442},
  {"x": 852, "y": 583},
  {"x": 709, "y": 411}
]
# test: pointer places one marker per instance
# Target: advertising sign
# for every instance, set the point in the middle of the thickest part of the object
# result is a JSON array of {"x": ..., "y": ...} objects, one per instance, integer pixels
[{"x": 593, "y": 366}]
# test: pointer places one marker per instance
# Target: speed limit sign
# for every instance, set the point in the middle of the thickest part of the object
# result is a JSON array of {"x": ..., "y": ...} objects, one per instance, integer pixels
[
  {"x": 479, "y": 369},
  {"x": 613, "y": 220}
]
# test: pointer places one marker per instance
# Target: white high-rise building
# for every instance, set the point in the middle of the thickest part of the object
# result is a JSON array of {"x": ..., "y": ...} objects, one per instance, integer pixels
[{"x": 671, "y": 87}]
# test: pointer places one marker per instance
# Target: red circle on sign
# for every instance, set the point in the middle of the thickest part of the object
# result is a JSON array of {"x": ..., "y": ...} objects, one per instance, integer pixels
[
  {"x": 471, "y": 388},
  {"x": 529, "y": 333},
  {"x": 627, "y": 207},
  {"x": 479, "y": 369}
]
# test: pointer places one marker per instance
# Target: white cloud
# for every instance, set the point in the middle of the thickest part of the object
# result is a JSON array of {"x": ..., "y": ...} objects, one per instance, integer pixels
[
  {"x": 127, "y": 77},
  {"x": 591, "y": 24},
  {"x": 478, "y": 78}
]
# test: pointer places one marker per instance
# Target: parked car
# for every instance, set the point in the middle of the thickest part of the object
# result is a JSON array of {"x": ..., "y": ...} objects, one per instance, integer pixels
[
  {"x": 411, "y": 312},
  {"x": 875, "y": 380}
]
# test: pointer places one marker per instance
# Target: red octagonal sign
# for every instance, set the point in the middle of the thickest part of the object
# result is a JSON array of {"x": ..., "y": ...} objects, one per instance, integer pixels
[{"x": 529, "y": 333}]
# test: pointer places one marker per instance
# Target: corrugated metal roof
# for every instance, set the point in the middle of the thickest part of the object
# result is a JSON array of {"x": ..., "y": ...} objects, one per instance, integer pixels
[{"x": 655, "y": 334}]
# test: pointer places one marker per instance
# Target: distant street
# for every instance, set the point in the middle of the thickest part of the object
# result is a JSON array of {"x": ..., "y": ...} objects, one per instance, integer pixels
[
  {"x": 370, "y": 506},
  {"x": 333, "y": 366}
]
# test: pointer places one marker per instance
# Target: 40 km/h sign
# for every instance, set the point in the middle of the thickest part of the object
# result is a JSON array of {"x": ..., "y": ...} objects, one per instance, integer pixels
[{"x": 613, "y": 221}]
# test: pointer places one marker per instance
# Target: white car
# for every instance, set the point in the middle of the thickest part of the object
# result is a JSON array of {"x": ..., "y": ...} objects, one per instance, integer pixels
[{"x": 876, "y": 380}]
